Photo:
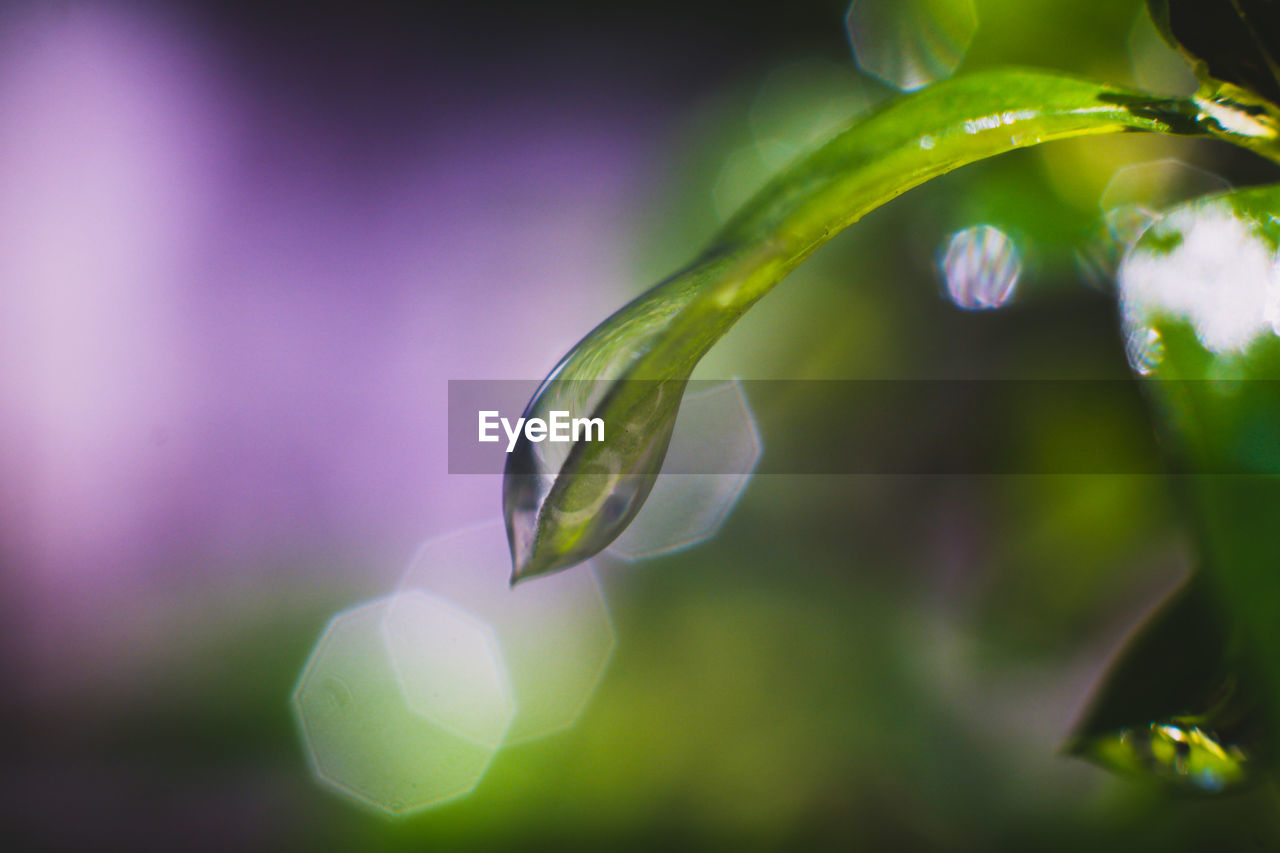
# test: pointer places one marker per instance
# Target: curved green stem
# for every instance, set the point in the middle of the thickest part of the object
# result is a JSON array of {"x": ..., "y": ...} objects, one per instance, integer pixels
[{"x": 662, "y": 334}]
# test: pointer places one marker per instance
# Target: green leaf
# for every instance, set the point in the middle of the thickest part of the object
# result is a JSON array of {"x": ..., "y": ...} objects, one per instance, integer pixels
[
  {"x": 1180, "y": 702},
  {"x": 562, "y": 506},
  {"x": 1204, "y": 282},
  {"x": 1232, "y": 41}
]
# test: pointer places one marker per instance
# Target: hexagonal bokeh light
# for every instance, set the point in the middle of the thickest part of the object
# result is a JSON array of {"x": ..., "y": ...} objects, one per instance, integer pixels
[
  {"x": 392, "y": 750},
  {"x": 1157, "y": 66},
  {"x": 553, "y": 631},
  {"x": 799, "y": 106},
  {"x": 1136, "y": 194},
  {"x": 716, "y": 428},
  {"x": 449, "y": 666},
  {"x": 910, "y": 43},
  {"x": 803, "y": 104}
]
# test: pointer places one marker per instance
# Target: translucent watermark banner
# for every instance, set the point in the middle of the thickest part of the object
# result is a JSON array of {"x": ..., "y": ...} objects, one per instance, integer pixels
[{"x": 897, "y": 427}]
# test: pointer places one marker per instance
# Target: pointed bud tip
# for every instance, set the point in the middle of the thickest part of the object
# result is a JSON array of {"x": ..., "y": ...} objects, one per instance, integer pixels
[
  {"x": 531, "y": 565},
  {"x": 525, "y": 565},
  {"x": 519, "y": 576}
]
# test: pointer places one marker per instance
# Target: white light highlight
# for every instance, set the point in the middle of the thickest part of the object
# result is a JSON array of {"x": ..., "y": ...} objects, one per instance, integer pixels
[{"x": 1219, "y": 276}]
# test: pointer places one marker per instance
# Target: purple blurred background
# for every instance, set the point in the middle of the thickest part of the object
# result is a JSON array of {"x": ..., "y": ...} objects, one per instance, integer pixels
[
  {"x": 234, "y": 282},
  {"x": 243, "y": 247}
]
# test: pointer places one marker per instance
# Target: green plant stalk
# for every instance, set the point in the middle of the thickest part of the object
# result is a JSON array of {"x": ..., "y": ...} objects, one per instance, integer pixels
[
  {"x": 1219, "y": 411},
  {"x": 660, "y": 336}
]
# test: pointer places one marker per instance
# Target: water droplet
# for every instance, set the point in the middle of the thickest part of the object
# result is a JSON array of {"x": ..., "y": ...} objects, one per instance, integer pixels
[
  {"x": 910, "y": 43},
  {"x": 556, "y": 521},
  {"x": 981, "y": 268},
  {"x": 1144, "y": 349},
  {"x": 565, "y": 502}
]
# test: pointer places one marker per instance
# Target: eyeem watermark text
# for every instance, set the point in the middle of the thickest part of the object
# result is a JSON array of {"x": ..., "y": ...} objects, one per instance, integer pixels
[
  {"x": 868, "y": 426},
  {"x": 558, "y": 427}
]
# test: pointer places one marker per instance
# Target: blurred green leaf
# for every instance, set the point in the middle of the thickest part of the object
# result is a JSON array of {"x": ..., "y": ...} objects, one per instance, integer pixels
[
  {"x": 1180, "y": 702},
  {"x": 1202, "y": 282}
]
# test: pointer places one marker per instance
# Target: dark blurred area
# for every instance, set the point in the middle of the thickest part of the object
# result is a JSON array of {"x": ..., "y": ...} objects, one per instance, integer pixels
[{"x": 245, "y": 246}]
